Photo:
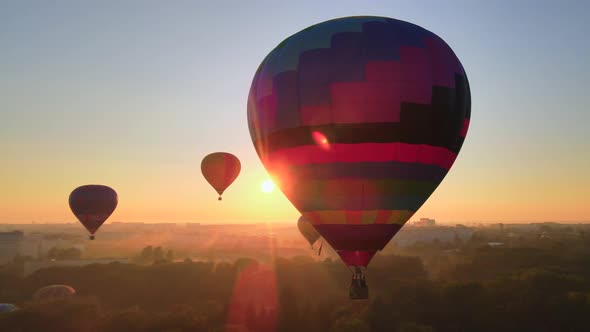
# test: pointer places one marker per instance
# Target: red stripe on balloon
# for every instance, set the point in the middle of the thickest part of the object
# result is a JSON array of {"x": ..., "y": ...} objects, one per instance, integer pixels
[
  {"x": 313, "y": 217},
  {"x": 356, "y": 257},
  {"x": 383, "y": 216},
  {"x": 364, "y": 152},
  {"x": 354, "y": 217}
]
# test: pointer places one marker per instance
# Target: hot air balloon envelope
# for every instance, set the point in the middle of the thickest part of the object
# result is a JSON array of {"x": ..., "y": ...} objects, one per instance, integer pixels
[
  {"x": 359, "y": 119},
  {"x": 7, "y": 307},
  {"x": 307, "y": 230},
  {"x": 220, "y": 169},
  {"x": 92, "y": 205},
  {"x": 54, "y": 292}
]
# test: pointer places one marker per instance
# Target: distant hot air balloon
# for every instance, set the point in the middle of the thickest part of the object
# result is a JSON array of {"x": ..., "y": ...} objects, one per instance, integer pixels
[
  {"x": 359, "y": 119},
  {"x": 307, "y": 230},
  {"x": 220, "y": 169},
  {"x": 54, "y": 292},
  {"x": 92, "y": 205},
  {"x": 7, "y": 307}
]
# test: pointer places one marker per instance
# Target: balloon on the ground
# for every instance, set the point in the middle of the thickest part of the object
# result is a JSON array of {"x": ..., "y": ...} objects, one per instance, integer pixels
[
  {"x": 359, "y": 119},
  {"x": 54, "y": 292},
  {"x": 220, "y": 169},
  {"x": 92, "y": 205},
  {"x": 7, "y": 307}
]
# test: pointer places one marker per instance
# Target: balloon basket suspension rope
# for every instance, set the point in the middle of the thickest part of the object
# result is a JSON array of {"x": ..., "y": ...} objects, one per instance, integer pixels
[{"x": 359, "y": 290}]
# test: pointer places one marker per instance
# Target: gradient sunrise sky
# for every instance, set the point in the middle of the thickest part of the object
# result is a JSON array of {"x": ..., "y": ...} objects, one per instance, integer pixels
[{"x": 133, "y": 94}]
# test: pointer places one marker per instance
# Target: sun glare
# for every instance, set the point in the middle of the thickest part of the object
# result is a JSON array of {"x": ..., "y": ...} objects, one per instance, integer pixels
[
  {"x": 321, "y": 140},
  {"x": 267, "y": 186}
]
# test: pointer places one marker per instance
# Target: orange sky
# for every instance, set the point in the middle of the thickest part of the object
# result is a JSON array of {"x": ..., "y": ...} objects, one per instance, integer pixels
[
  {"x": 136, "y": 105},
  {"x": 176, "y": 192}
]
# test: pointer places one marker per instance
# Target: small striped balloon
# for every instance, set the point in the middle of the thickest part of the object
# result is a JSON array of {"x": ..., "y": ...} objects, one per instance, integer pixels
[{"x": 220, "y": 169}]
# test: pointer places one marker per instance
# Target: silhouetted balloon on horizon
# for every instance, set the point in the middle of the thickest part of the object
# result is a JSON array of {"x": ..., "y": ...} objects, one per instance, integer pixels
[
  {"x": 92, "y": 205},
  {"x": 359, "y": 119},
  {"x": 220, "y": 169}
]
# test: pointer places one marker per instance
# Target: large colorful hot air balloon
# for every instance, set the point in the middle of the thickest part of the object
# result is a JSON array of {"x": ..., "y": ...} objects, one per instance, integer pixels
[
  {"x": 54, "y": 292},
  {"x": 307, "y": 230},
  {"x": 93, "y": 204},
  {"x": 359, "y": 119},
  {"x": 220, "y": 169}
]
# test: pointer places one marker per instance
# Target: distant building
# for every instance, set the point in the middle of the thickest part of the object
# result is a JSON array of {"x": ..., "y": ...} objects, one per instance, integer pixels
[
  {"x": 10, "y": 243},
  {"x": 424, "y": 222},
  {"x": 411, "y": 235}
]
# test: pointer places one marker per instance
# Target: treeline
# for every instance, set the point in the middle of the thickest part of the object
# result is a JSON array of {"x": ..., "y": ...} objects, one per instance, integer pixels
[
  {"x": 151, "y": 254},
  {"x": 481, "y": 289}
]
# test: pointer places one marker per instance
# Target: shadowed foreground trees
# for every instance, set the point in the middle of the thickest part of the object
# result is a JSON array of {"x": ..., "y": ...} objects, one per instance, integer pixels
[{"x": 489, "y": 290}]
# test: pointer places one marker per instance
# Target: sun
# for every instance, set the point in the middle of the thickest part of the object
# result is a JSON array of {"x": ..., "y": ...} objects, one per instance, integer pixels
[{"x": 267, "y": 186}]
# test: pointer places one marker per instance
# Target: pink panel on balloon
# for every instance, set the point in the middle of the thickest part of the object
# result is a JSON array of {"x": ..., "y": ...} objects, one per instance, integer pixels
[
  {"x": 362, "y": 102},
  {"x": 315, "y": 115},
  {"x": 383, "y": 71},
  {"x": 264, "y": 84},
  {"x": 416, "y": 67},
  {"x": 267, "y": 112},
  {"x": 414, "y": 71},
  {"x": 413, "y": 54},
  {"x": 442, "y": 58}
]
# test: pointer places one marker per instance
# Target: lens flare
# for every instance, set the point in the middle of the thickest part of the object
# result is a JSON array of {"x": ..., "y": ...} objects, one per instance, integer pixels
[
  {"x": 321, "y": 140},
  {"x": 267, "y": 186}
]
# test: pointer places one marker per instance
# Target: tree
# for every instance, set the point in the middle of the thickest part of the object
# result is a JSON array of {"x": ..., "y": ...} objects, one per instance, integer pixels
[
  {"x": 158, "y": 254},
  {"x": 413, "y": 327},
  {"x": 147, "y": 254},
  {"x": 64, "y": 253},
  {"x": 349, "y": 324}
]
